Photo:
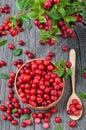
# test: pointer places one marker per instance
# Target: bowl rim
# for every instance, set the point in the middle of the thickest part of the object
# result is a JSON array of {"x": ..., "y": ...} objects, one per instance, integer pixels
[{"x": 37, "y": 107}]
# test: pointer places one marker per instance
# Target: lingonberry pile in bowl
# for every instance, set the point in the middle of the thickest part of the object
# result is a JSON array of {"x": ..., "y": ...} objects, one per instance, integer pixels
[
  {"x": 74, "y": 108},
  {"x": 37, "y": 85}
]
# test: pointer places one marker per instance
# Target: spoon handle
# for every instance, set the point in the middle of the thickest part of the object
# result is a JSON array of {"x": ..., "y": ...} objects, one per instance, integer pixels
[{"x": 72, "y": 57}]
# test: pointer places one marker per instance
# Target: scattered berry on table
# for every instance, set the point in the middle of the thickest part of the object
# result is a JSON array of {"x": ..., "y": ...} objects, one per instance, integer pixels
[
  {"x": 72, "y": 123},
  {"x": 65, "y": 48},
  {"x": 11, "y": 46}
]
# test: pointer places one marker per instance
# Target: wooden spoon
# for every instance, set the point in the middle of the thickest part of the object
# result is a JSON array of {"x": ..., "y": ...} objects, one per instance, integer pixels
[{"x": 72, "y": 56}]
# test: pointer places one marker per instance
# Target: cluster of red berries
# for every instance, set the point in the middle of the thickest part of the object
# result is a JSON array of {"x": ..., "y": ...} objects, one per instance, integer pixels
[
  {"x": 43, "y": 26},
  {"x": 13, "y": 110},
  {"x": 2, "y": 63},
  {"x": 78, "y": 18},
  {"x": 18, "y": 63},
  {"x": 74, "y": 108},
  {"x": 37, "y": 85},
  {"x": 49, "y": 3},
  {"x": 5, "y": 9},
  {"x": 29, "y": 54},
  {"x": 2, "y": 31},
  {"x": 65, "y": 30},
  {"x": 11, "y": 79},
  {"x": 7, "y": 26}
]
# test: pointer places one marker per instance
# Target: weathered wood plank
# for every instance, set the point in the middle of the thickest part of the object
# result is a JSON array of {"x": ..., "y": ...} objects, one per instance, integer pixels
[{"x": 31, "y": 39}]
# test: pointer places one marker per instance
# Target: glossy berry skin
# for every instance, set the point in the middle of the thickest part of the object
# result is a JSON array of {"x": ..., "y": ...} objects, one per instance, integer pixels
[
  {"x": 11, "y": 46},
  {"x": 57, "y": 119},
  {"x": 34, "y": 115},
  {"x": 46, "y": 125},
  {"x": 4, "y": 117},
  {"x": 72, "y": 123},
  {"x": 65, "y": 48},
  {"x": 14, "y": 122},
  {"x": 84, "y": 74},
  {"x": 23, "y": 124},
  {"x": 21, "y": 43},
  {"x": 28, "y": 122},
  {"x": 68, "y": 64},
  {"x": 37, "y": 120}
]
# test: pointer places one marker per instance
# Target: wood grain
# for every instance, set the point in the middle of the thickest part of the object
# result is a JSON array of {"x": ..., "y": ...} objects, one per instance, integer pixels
[{"x": 31, "y": 39}]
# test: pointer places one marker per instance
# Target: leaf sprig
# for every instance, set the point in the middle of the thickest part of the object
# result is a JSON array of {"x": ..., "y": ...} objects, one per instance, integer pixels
[
  {"x": 34, "y": 10},
  {"x": 62, "y": 70},
  {"x": 82, "y": 95}
]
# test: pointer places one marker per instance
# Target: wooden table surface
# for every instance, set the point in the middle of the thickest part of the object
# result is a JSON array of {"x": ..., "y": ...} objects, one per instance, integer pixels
[{"x": 31, "y": 39}]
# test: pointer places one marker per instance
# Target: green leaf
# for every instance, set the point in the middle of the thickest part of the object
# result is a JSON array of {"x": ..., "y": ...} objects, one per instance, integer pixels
[
  {"x": 57, "y": 65},
  {"x": 54, "y": 14},
  {"x": 42, "y": 19},
  {"x": 66, "y": 76},
  {"x": 84, "y": 15},
  {"x": 14, "y": 110},
  {"x": 54, "y": 38},
  {"x": 26, "y": 116},
  {"x": 82, "y": 95},
  {"x": 25, "y": 3},
  {"x": 84, "y": 70},
  {"x": 54, "y": 71},
  {"x": 4, "y": 76},
  {"x": 62, "y": 62},
  {"x": 24, "y": 18},
  {"x": 17, "y": 52},
  {"x": 61, "y": 72},
  {"x": 32, "y": 15},
  {"x": 59, "y": 127},
  {"x": 2, "y": 43},
  {"x": 68, "y": 71},
  {"x": 37, "y": 2},
  {"x": 69, "y": 19},
  {"x": 61, "y": 11},
  {"x": 19, "y": 5}
]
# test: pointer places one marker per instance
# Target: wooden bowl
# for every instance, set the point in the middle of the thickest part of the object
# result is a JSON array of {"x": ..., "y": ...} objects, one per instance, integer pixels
[{"x": 38, "y": 107}]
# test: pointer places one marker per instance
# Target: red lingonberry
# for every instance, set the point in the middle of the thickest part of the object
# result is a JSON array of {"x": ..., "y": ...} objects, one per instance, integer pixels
[
  {"x": 11, "y": 46},
  {"x": 72, "y": 123},
  {"x": 65, "y": 48}
]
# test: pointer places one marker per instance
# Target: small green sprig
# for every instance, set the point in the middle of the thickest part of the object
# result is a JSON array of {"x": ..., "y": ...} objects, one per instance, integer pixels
[{"x": 62, "y": 69}]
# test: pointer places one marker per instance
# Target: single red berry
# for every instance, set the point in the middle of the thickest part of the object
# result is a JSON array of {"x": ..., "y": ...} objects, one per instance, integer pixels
[
  {"x": 9, "y": 118},
  {"x": 75, "y": 101},
  {"x": 37, "y": 120},
  {"x": 56, "y": 1},
  {"x": 46, "y": 125},
  {"x": 23, "y": 124},
  {"x": 4, "y": 117},
  {"x": 34, "y": 115},
  {"x": 14, "y": 122},
  {"x": 68, "y": 64},
  {"x": 11, "y": 46},
  {"x": 72, "y": 123},
  {"x": 21, "y": 43},
  {"x": 65, "y": 48},
  {"x": 28, "y": 122},
  {"x": 57, "y": 119},
  {"x": 84, "y": 74}
]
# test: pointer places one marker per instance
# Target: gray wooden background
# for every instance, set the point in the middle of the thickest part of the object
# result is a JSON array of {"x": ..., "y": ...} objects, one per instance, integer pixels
[{"x": 31, "y": 39}]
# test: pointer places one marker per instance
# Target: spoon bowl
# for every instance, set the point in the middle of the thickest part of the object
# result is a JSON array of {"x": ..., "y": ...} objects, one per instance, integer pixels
[{"x": 73, "y": 95}]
